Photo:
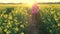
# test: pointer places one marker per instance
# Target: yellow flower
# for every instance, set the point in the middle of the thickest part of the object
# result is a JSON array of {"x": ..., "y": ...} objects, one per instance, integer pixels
[
  {"x": 16, "y": 23},
  {"x": 8, "y": 32},
  {"x": 20, "y": 21},
  {"x": 5, "y": 20},
  {"x": 49, "y": 19},
  {"x": 5, "y": 30},
  {"x": 9, "y": 24},
  {"x": 58, "y": 13},
  {"x": 16, "y": 29},
  {"x": 50, "y": 30},
  {"x": 10, "y": 17},
  {"x": 16, "y": 12},
  {"x": 26, "y": 22},
  {"x": 58, "y": 24},
  {"x": 5, "y": 16},
  {"x": 22, "y": 26},
  {"x": 22, "y": 32},
  {"x": 15, "y": 20},
  {"x": 55, "y": 17},
  {"x": 52, "y": 12},
  {"x": 1, "y": 15},
  {"x": 0, "y": 29}
]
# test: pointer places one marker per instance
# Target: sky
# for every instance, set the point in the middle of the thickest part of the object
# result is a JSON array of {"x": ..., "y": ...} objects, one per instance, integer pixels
[{"x": 25, "y": 1}]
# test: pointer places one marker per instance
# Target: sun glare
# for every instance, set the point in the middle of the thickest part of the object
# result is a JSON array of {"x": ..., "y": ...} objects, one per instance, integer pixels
[
  {"x": 30, "y": 3},
  {"x": 24, "y": 1}
]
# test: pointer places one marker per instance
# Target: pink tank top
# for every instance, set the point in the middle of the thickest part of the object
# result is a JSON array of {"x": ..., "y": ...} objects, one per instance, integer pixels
[{"x": 34, "y": 9}]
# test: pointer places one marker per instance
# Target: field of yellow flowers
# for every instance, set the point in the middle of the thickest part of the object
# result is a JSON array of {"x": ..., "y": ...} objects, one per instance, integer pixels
[{"x": 13, "y": 18}]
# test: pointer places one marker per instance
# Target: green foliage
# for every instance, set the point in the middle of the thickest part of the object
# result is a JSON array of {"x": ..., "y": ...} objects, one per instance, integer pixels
[
  {"x": 10, "y": 22},
  {"x": 51, "y": 19},
  {"x": 13, "y": 20}
]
